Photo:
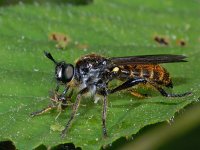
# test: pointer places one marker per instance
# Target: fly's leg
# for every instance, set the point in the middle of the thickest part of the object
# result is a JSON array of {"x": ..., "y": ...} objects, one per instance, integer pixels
[
  {"x": 128, "y": 84},
  {"x": 58, "y": 115},
  {"x": 104, "y": 93},
  {"x": 63, "y": 95},
  {"x": 59, "y": 108},
  {"x": 104, "y": 112},
  {"x": 75, "y": 109},
  {"x": 53, "y": 100},
  {"x": 164, "y": 93},
  {"x": 56, "y": 95},
  {"x": 66, "y": 100},
  {"x": 63, "y": 101},
  {"x": 48, "y": 108},
  {"x": 133, "y": 82},
  {"x": 137, "y": 94},
  {"x": 65, "y": 91}
]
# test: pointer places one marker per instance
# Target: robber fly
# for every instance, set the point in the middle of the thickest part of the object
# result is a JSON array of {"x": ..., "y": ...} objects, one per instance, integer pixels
[{"x": 92, "y": 74}]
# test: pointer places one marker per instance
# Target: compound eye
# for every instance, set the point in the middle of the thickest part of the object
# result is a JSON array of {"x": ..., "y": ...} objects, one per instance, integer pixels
[{"x": 69, "y": 72}]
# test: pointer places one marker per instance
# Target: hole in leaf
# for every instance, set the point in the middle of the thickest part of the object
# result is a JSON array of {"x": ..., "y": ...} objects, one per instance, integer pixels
[
  {"x": 66, "y": 146},
  {"x": 5, "y": 145},
  {"x": 41, "y": 147}
]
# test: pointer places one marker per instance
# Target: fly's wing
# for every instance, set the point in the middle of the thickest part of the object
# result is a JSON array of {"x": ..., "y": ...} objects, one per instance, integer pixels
[{"x": 148, "y": 59}]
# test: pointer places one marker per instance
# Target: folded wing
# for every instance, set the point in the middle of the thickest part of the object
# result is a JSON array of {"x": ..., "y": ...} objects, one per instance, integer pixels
[{"x": 148, "y": 59}]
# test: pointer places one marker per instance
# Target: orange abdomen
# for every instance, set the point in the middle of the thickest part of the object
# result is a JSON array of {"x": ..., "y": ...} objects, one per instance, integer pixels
[{"x": 155, "y": 73}]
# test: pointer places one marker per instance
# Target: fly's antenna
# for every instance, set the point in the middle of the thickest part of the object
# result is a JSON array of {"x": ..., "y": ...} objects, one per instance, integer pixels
[{"x": 48, "y": 55}]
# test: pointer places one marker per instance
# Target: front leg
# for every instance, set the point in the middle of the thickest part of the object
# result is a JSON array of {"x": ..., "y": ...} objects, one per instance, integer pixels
[
  {"x": 63, "y": 95},
  {"x": 48, "y": 108},
  {"x": 66, "y": 100},
  {"x": 75, "y": 109},
  {"x": 55, "y": 101}
]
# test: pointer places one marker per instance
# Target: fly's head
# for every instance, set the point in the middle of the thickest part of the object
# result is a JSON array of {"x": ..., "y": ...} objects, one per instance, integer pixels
[{"x": 64, "y": 72}]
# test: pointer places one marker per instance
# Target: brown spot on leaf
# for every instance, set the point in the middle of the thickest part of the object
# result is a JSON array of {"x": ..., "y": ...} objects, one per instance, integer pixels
[
  {"x": 181, "y": 42},
  {"x": 161, "y": 40},
  {"x": 62, "y": 40}
]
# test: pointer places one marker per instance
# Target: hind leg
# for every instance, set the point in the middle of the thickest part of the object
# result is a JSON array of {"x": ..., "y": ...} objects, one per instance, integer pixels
[
  {"x": 164, "y": 93},
  {"x": 137, "y": 94},
  {"x": 134, "y": 82},
  {"x": 129, "y": 83}
]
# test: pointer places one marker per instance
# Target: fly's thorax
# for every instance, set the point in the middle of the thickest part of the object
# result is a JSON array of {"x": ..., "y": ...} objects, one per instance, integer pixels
[
  {"x": 90, "y": 69},
  {"x": 89, "y": 72}
]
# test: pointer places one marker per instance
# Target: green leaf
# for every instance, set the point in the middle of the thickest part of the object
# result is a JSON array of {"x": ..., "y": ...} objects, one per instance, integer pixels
[{"x": 110, "y": 28}]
